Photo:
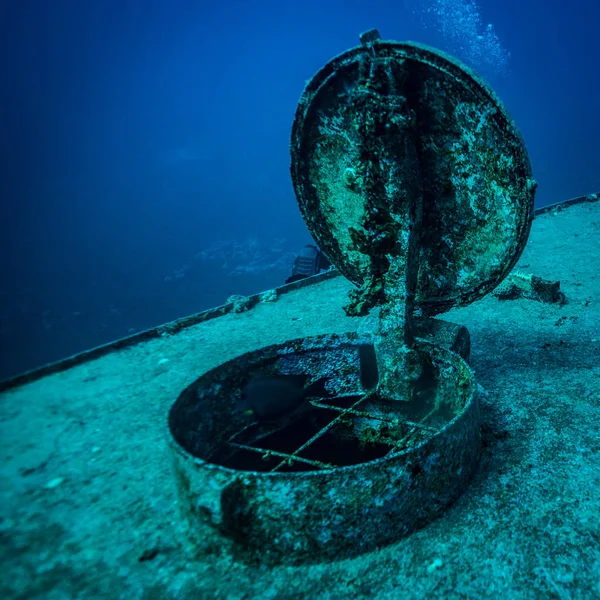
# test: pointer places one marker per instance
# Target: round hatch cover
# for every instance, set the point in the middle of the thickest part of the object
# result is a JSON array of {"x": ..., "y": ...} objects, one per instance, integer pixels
[{"x": 388, "y": 123}]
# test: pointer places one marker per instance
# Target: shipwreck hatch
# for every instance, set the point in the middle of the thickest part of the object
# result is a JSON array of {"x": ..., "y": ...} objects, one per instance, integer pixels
[
  {"x": 415, "y": 182},
  {"x": 348, "y": 473}
]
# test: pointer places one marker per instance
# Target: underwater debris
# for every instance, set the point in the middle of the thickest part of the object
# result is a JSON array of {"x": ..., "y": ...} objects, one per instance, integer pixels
[
  {"x": 522, "y": 285},
  {"x": 269, "y": 296},
  {"x": 240, "y": 303}
]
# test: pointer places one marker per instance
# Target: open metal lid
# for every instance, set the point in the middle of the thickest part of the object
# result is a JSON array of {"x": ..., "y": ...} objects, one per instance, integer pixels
[{"x": 393, "y": 141}]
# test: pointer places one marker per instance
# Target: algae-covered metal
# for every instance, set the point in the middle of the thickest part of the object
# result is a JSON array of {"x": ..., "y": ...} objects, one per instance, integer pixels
[
  {"x": 400, "y": 154},
  {"x": 352, "y": 474}
]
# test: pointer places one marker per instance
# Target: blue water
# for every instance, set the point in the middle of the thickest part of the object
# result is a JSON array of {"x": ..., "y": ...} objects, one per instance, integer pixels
[{"x": 144, "y": 144}]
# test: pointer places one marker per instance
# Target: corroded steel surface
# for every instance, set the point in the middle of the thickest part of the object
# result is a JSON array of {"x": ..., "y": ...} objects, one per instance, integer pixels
[
  {"x": 397, "y": 140},
  {"x": 307, "y": 513}
]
